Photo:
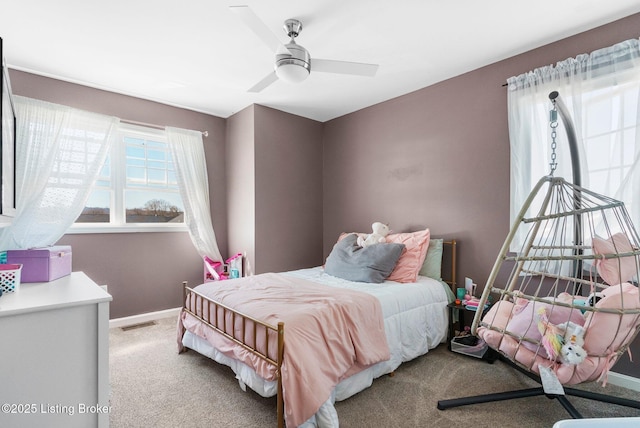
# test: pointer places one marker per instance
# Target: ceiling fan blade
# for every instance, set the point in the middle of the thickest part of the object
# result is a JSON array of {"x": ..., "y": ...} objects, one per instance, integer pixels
[
  {"x": 343, "y": 67},
  {"x": 268, "y": 80},
  {"x": 259, "y": 28}
]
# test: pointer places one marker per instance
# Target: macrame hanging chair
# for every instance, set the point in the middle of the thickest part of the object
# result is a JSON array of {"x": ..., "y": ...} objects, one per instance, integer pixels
[{"x": 569, "y": 306}]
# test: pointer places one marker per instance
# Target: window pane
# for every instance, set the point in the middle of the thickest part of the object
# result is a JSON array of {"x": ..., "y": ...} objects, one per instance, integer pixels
[
  {"x": 135, "y": 162},
  {"x": 150, "y": 196},
  {"x": 156, "y": 155},
  {"x": 97, "y": 208},
  {"x": 136, "y": 175},
  {"x": 157, "y": 176},
  {"x": 153, "y": 207},
  {"x": 135, "y": 152},
  {"x": 157, "y": 165}
]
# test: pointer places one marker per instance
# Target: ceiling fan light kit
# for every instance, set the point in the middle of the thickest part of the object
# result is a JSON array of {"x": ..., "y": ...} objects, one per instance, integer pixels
[{"x": 292, "y": 70}]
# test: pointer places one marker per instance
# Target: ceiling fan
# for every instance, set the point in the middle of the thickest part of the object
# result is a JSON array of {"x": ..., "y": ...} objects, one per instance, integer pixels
[{"x": 293, "y": 62}]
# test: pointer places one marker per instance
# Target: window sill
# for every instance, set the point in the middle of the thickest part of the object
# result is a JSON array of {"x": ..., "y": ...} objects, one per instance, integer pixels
[{"x": 132, "y": 228}]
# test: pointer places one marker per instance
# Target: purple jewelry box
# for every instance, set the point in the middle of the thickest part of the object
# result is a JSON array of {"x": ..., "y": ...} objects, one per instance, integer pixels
[{"x": 42, "y": 264}]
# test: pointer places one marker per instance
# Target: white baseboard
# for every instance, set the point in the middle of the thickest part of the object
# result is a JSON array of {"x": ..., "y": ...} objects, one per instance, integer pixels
[
  {"x": 625, "y": 381},
  {"x": 139, "y": 319}
]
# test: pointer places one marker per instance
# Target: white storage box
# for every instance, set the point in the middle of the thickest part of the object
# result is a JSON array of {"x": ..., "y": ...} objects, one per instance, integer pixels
[
  {"x": 478, "y": 350},
  {"x": 599, "y": 423}
]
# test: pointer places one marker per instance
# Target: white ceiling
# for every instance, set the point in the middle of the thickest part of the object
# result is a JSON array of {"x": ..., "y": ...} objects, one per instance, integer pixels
[{"x": 197, "y": 54}]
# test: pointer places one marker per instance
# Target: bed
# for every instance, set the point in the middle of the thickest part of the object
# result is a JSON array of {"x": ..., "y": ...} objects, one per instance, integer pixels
[{"x": 341, "y": 334}]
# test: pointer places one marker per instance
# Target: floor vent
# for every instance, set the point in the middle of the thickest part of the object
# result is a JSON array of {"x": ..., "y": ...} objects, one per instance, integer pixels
[{"x": 136, "y": 326}]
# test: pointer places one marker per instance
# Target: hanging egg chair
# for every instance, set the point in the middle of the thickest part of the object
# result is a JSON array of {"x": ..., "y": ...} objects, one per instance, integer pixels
[{"x": 566, "y": 299}]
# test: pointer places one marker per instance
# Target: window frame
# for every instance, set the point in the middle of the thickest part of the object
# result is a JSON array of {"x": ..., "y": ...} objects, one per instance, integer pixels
[{"x": 117, "y": 223}]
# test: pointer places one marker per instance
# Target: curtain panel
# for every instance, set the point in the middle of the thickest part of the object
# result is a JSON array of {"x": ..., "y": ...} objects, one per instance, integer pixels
[
  {"x": 187, "y": 150},
  {"x": 601, "y": 90},
  {"x": 59, "y": 153}
]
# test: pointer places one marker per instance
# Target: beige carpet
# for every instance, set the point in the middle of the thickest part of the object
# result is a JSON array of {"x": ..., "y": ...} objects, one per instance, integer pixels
[{"x": 153, "y": 386}]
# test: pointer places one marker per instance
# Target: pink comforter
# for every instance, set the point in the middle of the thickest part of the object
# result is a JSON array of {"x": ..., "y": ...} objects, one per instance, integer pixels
[{"x": 330, "y": 333}]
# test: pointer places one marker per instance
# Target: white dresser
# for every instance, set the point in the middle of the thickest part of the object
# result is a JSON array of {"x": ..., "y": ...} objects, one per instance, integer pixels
[{"x": 54, "y": 354}]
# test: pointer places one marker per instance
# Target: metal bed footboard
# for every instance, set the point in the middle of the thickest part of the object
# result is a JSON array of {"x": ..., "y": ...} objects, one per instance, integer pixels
[{"x": 223, "y": 320}]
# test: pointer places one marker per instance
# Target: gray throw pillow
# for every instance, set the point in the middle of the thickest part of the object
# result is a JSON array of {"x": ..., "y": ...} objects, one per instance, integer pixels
[{"x": 373, "y": 263}]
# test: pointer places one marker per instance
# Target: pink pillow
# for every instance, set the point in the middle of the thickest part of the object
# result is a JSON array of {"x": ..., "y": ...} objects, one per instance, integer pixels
[
  {"x": 616, "y": 270},
  {"x": 608, "y": 331},
  {"x": 412, "y": 258}
]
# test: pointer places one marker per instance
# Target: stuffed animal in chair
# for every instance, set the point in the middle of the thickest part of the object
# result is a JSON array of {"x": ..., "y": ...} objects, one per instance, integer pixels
[
  {"x": 380, "y": 230},
  {"x": 572, "y": 351},
  {"x": 563, "y": 341}
]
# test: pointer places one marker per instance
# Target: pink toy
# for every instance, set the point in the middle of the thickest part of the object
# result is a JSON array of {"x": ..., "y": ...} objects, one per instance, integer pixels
[{"x": 213, "y": 270}]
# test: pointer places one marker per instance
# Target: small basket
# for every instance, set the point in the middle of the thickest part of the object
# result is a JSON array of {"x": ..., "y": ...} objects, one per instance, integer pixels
[
  {"x": 10, "y": 277},
  {"x": 477, "y": 350}
]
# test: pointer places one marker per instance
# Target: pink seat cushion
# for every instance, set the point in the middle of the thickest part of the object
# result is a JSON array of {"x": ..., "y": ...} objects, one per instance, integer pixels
[{"x": 604, "y": 333}]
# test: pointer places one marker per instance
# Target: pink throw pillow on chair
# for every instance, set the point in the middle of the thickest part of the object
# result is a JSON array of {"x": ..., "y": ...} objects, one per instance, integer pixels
[
  {"x": 606, "y": 332},
  {"x": 616, "y": 270}
]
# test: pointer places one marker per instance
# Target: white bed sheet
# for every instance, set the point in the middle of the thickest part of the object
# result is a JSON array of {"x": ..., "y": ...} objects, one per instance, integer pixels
[{"x": 415, "y": 319}]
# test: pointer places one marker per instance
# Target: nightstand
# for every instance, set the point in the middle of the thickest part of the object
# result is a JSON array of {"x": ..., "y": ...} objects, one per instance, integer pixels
[{"x": 464, "y": 316}]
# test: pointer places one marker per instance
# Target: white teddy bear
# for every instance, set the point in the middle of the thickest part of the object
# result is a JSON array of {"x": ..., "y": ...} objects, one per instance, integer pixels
[{"x": 380, "y": 230}]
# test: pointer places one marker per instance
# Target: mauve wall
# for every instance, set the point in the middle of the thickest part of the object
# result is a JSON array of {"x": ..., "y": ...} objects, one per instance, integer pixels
[
  {"x": 241, "y": 183},
  {"x": 288, "y": 191},
  {"x": 144, "y": 271},
  {"x": 274, "y": 173},
  {"x": 439, "y": 158}
]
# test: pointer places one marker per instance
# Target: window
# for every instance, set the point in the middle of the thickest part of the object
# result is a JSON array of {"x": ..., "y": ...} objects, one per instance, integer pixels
[
  {"x": 608, "y": 143},
  {"x": 610, "y": 138},
  {"x": 601, "y": 91},
  {"x": 136, "y": 188}
]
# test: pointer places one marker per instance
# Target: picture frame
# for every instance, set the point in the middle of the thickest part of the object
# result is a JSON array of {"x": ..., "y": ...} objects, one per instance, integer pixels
[{"x": 7, "y": 144}]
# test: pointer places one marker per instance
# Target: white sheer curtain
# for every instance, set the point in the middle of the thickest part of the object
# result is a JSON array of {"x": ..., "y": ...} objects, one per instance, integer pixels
[
  {"x": 59, "y": 153},
  {"x": 191, "y": 170},
  {"x": 602, "y": 93}
]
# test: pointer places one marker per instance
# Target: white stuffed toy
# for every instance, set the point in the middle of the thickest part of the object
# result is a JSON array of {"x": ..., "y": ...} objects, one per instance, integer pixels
[
  {"x": 572, "y": 351},
  {"x": 380, "y": 230}
]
